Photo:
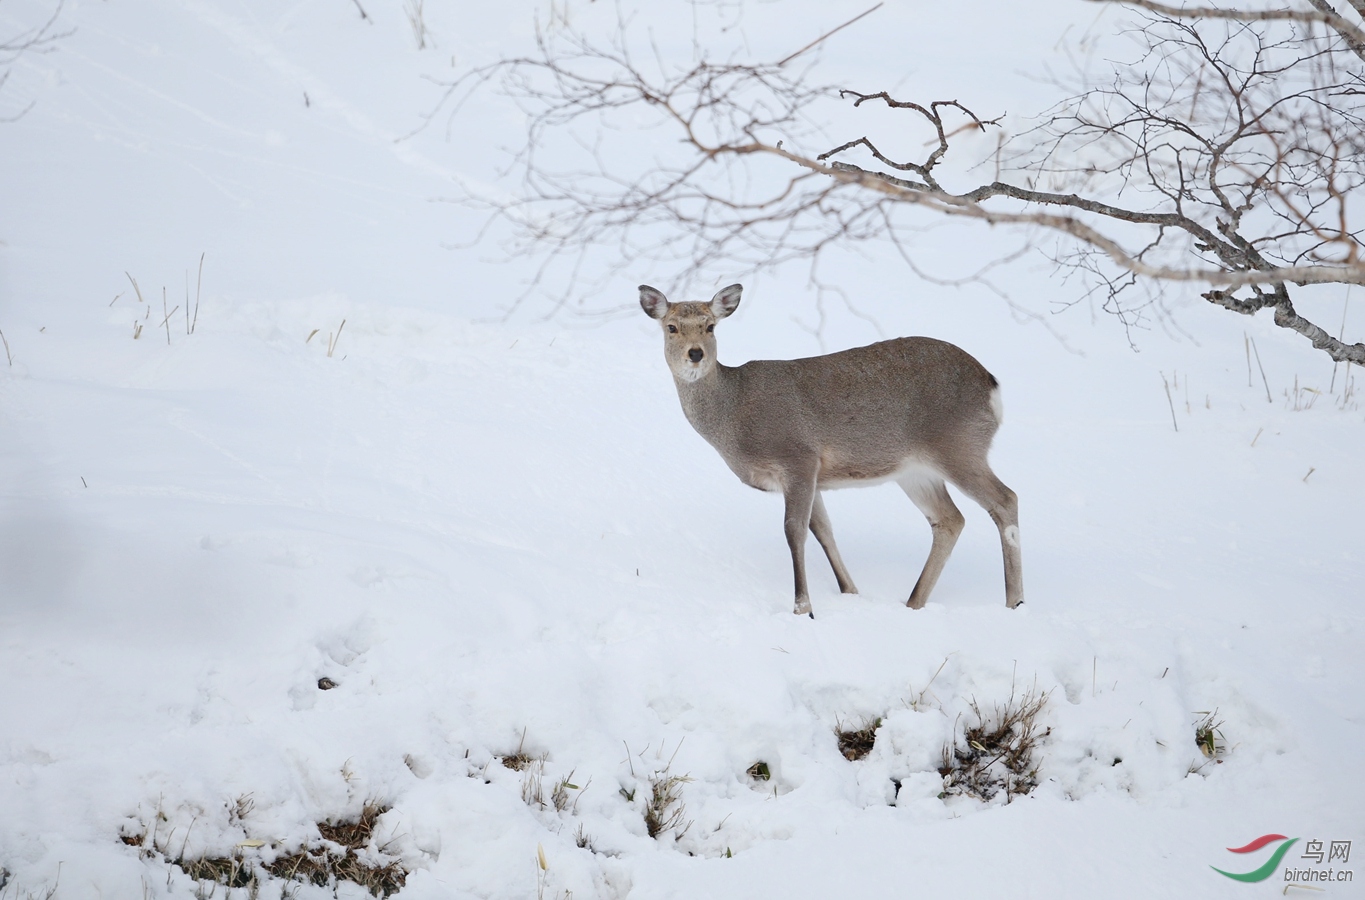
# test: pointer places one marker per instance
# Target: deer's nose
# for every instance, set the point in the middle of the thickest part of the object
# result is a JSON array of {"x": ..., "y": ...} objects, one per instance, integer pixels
[{"x": 695, "y": 354}]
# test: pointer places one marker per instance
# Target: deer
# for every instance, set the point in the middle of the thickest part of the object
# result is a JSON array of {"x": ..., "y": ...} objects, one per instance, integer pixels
[{"x": 914, "y": 410}]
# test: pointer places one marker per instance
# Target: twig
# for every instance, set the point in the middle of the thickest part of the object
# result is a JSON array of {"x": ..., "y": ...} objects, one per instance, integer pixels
[
  {"x": 920, "y": 697},
  {"x": 1341, "y": 333},
  {"x": 135, "y": 288},
  {"x": 675, "y": 752},
  {"x": 1311, "y": 470},
  {"x": 7, "y": 356},
  {"x": 167, "y": 320},
  {"x": 1170, "y": 402},
  {"x": 198, "y": 284},
  {"x": 1262, "y": 368},
  {"x": 332, "y": 342},
  {"x": 829, "y": 34},
  {"x": 363, "y": 14},
  {"x": 186, "y": 841}
]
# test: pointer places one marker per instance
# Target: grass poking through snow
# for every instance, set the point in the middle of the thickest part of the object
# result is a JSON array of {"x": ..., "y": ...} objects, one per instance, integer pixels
[
  {"x": 520, "y": 761},
  {"x": 664, "y": 809},
  {"x": 1208, "y": 735},
  {"x": 560, "y": 796},
  {"x": 998, "y": 753},
  {"x": 346, "y": 853},
  {"x": 532, "y": 783}
]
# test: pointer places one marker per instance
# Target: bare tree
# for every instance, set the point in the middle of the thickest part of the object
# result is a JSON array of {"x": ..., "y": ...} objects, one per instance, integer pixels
[
  {"x": 1228, "y": 153},
  {"x": 36, "y": 39}
]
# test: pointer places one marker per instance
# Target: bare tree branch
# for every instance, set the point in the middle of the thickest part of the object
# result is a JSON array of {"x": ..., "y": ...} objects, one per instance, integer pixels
[
  {"x": 828, "y": 34},
  {"x": 1321, "y": 12},
  {"x": 37, "y": 39},
  {"x": 1230, "y": 153}
]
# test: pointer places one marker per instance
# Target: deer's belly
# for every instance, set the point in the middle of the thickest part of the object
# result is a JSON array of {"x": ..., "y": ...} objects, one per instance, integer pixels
[{"x": 835, "y": 473}]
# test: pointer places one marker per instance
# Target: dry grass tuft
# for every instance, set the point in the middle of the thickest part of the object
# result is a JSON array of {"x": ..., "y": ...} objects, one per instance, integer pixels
[
  {"x": 303, "y": 866},
  {"x": 664, "y": 810},
  {"x": 230, "y": 871},
  {"x": 347, "y": 854},
  {"x": 856, "y": 743},
  {"x": 560, "y": 796},
  {"x": 325, "y": 868},
  {"x": 532, "y": 782},
  {"x": 354, "y": 835},
  {"x": 520, "y": 761},
  {"x": 997, "y": 753}
]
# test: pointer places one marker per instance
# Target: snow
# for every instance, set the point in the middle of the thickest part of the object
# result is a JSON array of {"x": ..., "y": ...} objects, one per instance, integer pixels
[{"x": 500, "y": 534}]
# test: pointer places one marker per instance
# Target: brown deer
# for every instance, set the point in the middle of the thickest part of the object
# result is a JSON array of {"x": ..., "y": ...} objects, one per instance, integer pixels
[{"x": 913, "y": 410}]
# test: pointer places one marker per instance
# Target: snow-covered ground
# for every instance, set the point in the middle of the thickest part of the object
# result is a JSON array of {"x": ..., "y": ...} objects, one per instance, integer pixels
[{"x": 502, "y": 536}]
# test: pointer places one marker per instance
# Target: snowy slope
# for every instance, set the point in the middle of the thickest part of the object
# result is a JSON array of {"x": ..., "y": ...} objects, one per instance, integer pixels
[{"x": 502, "y": 537}]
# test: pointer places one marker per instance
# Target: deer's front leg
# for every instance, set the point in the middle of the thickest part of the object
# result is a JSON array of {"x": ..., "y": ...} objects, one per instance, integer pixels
[{"x": 799, "y": 493}]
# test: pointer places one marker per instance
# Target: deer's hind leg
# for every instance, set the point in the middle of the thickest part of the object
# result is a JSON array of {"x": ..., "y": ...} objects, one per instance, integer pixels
[
  {"x": 980, "y": 483},
  {"x": 945, "y": 519},
  {"x": 820, "y": 527}
]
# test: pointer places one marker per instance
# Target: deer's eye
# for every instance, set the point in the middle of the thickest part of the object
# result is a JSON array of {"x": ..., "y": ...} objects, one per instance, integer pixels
[
  {"x": 711, "y": 328},
  {"x": 673, "y": 329}
]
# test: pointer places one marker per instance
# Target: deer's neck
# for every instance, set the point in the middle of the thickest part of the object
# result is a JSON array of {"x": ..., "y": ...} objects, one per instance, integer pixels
[{"x": 709, "y": 402}]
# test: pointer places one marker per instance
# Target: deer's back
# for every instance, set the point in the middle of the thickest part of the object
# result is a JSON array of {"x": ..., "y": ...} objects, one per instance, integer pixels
[{"x": 864, "y": 411}]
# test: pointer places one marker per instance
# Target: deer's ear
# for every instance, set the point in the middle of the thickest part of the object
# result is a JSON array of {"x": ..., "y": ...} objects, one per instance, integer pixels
[
  {"x": 726, "y": 300},
  {"x": 653, "y": 302}
]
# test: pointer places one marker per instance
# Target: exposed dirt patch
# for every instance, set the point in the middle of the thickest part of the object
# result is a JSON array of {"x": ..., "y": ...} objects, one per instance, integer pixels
[{"x": 856, "y": 743}]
